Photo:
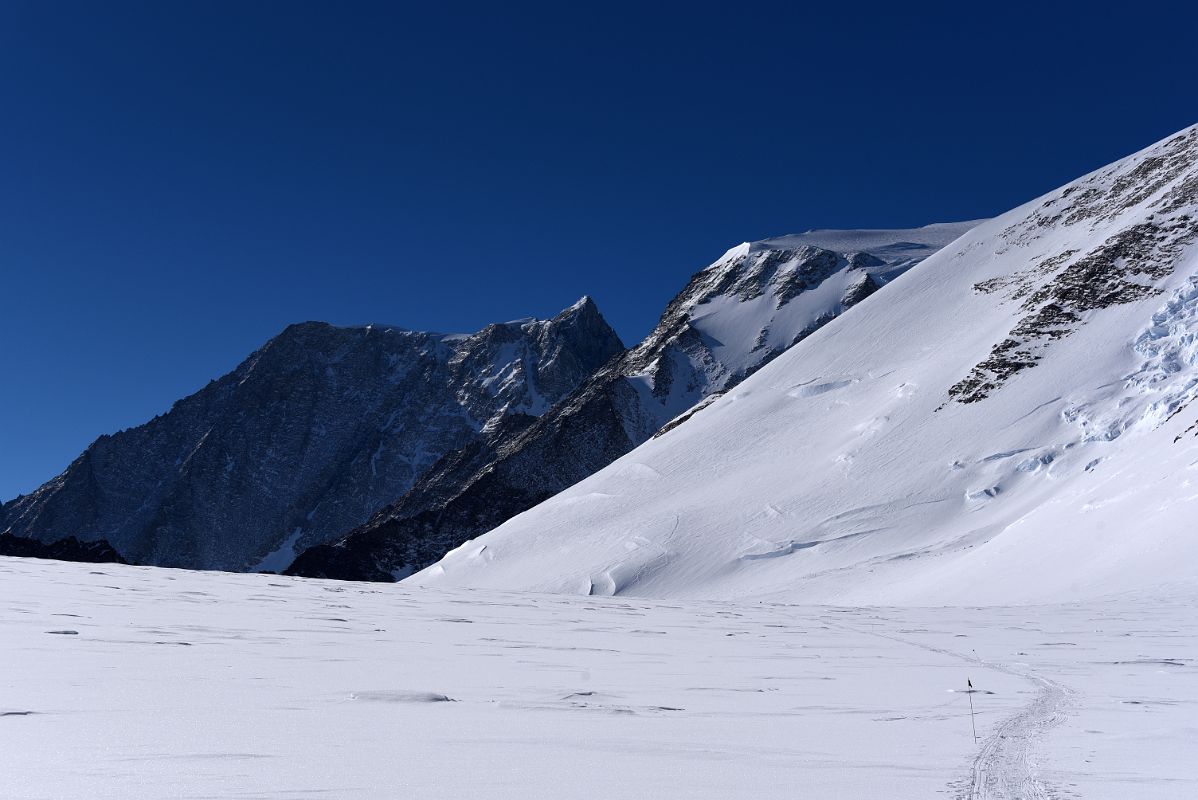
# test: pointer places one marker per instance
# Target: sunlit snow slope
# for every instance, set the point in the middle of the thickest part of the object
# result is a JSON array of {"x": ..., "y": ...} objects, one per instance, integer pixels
[{"x": 1005, "y": 422}]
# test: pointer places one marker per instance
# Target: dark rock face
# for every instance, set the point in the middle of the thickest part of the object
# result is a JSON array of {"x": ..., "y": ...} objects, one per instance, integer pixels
[
  {"x": 479, "y": 487},
  {"x": 306, "y": 438},
  {"x": 68, "y": 549},
  {"x": 691, "y": 355},
  {"x": 1059, "y": 290}
]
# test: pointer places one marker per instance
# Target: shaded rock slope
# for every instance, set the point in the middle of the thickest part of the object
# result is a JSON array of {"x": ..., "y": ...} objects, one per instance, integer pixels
[
  {"x": 307, "y": 437},
  {"x": 68, "y": 549}
]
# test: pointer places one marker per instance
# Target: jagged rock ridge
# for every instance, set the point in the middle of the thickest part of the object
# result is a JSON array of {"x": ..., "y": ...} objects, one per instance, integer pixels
[
  {"x": 1058, "y": 290},
  {"x": 307, "y": 437}
]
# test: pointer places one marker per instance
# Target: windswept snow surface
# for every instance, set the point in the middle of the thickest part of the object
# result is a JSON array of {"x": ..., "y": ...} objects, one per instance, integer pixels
[
  {"x": 1006, "y": 422},
  {"x": 776, "y": 290},
  {"x": 897, "y": 247},
  {"x": 130, "y": 682}
]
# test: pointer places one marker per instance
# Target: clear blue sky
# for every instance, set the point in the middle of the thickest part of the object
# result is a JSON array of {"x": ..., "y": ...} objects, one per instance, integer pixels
[{"x": 179, "y": 181}]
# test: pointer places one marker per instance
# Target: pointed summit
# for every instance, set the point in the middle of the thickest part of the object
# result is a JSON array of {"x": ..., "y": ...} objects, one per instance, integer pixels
[
  {"x": 584, "y": 304},
  {"x": 586, "y": 313}
]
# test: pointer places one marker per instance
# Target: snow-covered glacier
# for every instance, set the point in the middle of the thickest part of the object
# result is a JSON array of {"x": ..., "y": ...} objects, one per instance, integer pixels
[
  {"x": 1008, "y": 421},
  {"x": 942, "y": 546}
]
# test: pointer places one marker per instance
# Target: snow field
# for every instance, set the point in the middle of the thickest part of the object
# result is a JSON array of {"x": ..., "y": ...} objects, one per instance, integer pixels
[{"x": 124, "y": 682}]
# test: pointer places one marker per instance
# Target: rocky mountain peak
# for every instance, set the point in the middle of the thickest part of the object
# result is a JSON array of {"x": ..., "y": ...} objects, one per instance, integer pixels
[{"x": 313, "y": 432}]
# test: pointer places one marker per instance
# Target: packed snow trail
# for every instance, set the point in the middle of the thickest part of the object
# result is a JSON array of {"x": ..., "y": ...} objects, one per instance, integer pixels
[{"x": 1005, "y": 767}]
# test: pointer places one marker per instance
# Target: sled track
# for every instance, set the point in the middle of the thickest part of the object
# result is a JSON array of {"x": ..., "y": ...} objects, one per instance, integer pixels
[{"x": 1005, "y": 768}]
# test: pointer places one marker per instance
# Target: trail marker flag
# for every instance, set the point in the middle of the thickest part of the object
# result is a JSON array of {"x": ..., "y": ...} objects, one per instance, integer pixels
[{"x": 972, "y": 719}]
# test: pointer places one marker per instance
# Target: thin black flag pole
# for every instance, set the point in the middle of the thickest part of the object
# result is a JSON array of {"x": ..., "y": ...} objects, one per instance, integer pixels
[{"x": 972, "y": 718}]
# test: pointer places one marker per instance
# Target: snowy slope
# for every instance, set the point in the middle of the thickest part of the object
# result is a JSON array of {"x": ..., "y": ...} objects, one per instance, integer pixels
[
  {"x": 123, "y": 683},
  {"x": 757, "y": 300},
  {"x": 731, "y": 318},
  {"x": 1005, "y": 422}
]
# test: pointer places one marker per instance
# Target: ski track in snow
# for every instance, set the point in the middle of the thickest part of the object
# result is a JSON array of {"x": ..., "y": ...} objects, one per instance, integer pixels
[
  {"x": 1005, "y": 769},
  {"x": 1005, "y": 766}
]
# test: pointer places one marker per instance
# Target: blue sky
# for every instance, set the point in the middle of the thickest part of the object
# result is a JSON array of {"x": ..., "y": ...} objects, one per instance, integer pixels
[{"x": 179, "y": 181}]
